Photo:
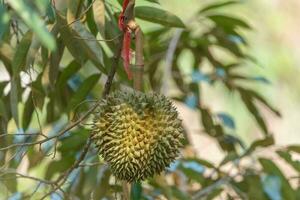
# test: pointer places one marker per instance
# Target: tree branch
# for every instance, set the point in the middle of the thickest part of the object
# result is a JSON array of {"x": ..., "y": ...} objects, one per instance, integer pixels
[{"x": 61, "y": 179}]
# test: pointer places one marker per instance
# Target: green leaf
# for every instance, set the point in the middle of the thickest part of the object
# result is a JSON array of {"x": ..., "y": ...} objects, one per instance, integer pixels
[
  {"x": 59, "y": 166},
  {"x": 153, "y": 1},
  {"x": 248, "y": 101},
  {"x": 14, "y": 100},
  {"x": 288, "y": 158},
  {"x": 73, "y": 12},
  {"x": 28, "y": 111},
  {"x": 99, "y": 16},
  {"x": 32, "y": 52},
  {"x": 74, "y": 142},
  {"x": 50, "y": 13},
  {"x": 192, "y": 174},
  {"x": 89, "y": 43},
  {"x": 21, "y": 53},
  {"x": 200, "y": 161},
  {"x": 207, "y": 121},
  {"x": 159, "y": 16},
  {"x": 83, "y": 91},
  {"x": 252, "y": 186},
  {"x": 258, "y": 97},
  {"x": 270, "y": 168},
  {"x": 4, "y": 20},
  {"x": 228, "y": 21},
  {"x": 228, "y": 158},
  {"x": 42, "y": 5},
  {"x": 217, "y": 5},
  {"x": 294, "y": 148},
  {"x": 74, "y": 47},
  {"x": 178, "y": 194},
  {"x": 3, "y": 111},
  {"x": 268, "y": 141},
  {"x": 10, "y": 181},
  {"x": 263, "y": 101},
  {"x": 90, "y": 19},
  {"x": 34, "y": 22},
  {"x": 54, "y": 62},
  {"x": 67, "y": 73},
  {"x": 6, "y": 55},
  {"x": 214, "y": 193}
]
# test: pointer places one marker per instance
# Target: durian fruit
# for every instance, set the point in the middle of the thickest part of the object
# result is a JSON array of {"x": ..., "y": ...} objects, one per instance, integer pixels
[{"x": 137, "y": 134}]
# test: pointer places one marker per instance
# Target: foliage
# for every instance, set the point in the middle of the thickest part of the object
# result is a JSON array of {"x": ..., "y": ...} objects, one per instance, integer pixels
[{"x": 57, "y": 55}]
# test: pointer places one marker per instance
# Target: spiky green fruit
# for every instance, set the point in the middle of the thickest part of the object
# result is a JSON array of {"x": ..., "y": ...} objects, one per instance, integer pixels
[{"x": 138, "y": 134}]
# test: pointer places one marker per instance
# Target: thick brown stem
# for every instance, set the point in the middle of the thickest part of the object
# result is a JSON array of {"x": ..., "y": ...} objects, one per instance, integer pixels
[{"x": 126, "y": 190}]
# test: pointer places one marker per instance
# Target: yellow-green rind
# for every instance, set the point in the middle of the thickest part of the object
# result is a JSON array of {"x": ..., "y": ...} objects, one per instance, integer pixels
[{"x": 138, "y": 134}]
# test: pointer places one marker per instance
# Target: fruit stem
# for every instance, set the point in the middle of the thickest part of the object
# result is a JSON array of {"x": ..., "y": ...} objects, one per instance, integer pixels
[
  {"x": 139, "y": 60},
  {"x": 126, "y": 188}
]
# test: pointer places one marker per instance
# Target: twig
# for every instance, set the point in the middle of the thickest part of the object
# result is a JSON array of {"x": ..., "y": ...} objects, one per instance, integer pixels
[
  {"x": 126, "y": 192},
  {"x": 61, "y": 179},
  {"x": 19, "y": 134},
  {"x": 98, "y": 40},
  {"x": 81, "y": 15},
  {"x": 204, "y": 192}
]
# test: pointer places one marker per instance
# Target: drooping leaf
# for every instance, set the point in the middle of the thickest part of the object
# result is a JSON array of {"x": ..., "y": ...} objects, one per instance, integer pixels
[
  {"x": 99, "y": 16},
  {"x": 294, "y": 148},
  {"x": 270, "y": 168},
  {"x": 83, "y": 90},
  {"x": 73, "y": 12},
  {"x": 89, "y": 43},
  {"x": 207, "y": 121},
  {"x": 268, "y": 141},
  {"x": 248, "y": 101},
  {"x": 4, "y": 22},
  {"x": 14, "y": 100},
  {"x": 288, "y": 158},
  {"x": 159, "y": 16},
  {"x": 74, "y": 47},
  {"x": 34, "y": 22},
  {"x": 203, "y": 162},
  {"x": 153, "y": 1},
  {"x": 6, "y": 55},
  {"x": 67, "y": 73},
  {"x": 74, "y": 142},
  {"x": 19, "y": 58},
  {"x": 217, "y": 5},
  {"x": 228, "y": 158},
  {"x": 59, "y": 166},
  {"x": 50, "y": 14},
  {"x": 32, "y": 52},
  {"x": 54, "y": 62},
  {"x": 28, "y": 111},
  {"x": 263, "y": 101},
  {"x": 228, "y": 21}
]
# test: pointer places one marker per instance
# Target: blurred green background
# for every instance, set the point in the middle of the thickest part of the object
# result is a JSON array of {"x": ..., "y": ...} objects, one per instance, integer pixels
[{"x": 275, "y": 44}]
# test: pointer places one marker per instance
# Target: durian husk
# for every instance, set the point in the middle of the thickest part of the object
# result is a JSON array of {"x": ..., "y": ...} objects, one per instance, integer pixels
[{"x": 137, "y": 134}]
